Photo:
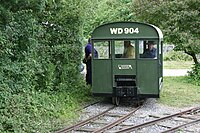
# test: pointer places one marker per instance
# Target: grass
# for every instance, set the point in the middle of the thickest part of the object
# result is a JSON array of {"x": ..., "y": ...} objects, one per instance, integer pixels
[
  {"x": 178, "y": 92},
  {"x": 178, "y": 64},
  {"x": 69, "y": 113}
]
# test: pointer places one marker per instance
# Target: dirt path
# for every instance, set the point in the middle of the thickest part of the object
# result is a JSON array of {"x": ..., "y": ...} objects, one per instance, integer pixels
[{"x": 175, "y": 72}]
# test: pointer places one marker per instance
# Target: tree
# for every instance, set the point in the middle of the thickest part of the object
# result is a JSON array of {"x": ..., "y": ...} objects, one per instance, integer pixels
[
  {"x": 104, "y": 11},
  {"x": 178, "y": 19},
  {"x": 40, "y": 53}
]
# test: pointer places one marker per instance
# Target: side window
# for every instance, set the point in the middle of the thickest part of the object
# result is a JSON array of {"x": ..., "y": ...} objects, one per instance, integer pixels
[
  {"x": 102, "y": 49},
  {"x": 125, "y": 49},
  {"x": 148, "y": 49}
]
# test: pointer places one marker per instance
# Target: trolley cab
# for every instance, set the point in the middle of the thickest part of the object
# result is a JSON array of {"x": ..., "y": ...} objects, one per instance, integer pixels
[{"x": 130, "y": 61}]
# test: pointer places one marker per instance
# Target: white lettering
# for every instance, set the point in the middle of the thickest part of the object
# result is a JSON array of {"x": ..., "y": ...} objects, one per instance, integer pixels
[
  {"x": 120, "y": 30},
  {"x": 136, "y": 30},
  {"x": 131, "y": 30},
  {"x": 124, "y": 30},
  {"x": 125, "y": 67},
  {"x": 113, "y": 30}
]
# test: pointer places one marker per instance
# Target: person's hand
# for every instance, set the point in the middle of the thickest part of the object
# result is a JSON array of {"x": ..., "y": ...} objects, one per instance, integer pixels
[{"x": 89, "y": 57}]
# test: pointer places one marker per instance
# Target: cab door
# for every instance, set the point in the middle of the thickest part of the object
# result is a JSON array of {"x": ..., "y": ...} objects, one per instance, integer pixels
[
  {"x": 147, "y": 71},
  {"x": 124, "y": 68},
  {"x": 101, "y": 68},
  {"x": 124, "y": 62}
]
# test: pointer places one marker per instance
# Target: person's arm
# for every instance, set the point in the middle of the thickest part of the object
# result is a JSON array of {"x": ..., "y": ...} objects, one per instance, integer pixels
[
  {"x": 89, "y": 56},
  {"x": 155, "y": 53},
  {"x": 89, "y": 50}
]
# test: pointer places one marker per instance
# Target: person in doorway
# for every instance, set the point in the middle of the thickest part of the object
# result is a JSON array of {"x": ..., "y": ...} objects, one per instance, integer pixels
[
  {"x": 150, "y": 52},
  {"x": 88, "y": 61},
  {"x": 129, "y": 50}
]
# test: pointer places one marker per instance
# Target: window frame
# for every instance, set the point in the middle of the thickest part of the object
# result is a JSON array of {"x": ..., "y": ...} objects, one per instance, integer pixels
[
  {"x": 108, "y": 47},
  {"x": 156, "y": 45},
  {"x": 122, "y": 40}
]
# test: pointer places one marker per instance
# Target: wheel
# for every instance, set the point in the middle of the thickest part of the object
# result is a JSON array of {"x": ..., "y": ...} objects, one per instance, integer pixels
[
  {"x": 115, "y": 100},
  {"x": 140, "y": 101}
]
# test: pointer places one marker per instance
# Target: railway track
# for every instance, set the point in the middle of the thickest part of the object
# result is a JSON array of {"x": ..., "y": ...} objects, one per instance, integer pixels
[
  {"x": 78, "y": 125},
  {"x": 190, "y": 117},
  {"x": 118, "y": 123},
  {"x": 97, "y": 119},
  {"x": 87, "y": 105}
]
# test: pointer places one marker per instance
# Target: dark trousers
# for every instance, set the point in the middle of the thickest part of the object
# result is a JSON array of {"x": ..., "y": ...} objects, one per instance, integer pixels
[{"x": 89, "y": 73}]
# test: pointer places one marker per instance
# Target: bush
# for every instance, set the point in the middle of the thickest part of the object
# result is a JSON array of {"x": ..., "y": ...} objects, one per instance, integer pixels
[
  {"x": 33, "y": 111},
  {"x": 176, "y": 56},
  {"x": 194, "y": 75},
  {"x": 40, "y": 52}
]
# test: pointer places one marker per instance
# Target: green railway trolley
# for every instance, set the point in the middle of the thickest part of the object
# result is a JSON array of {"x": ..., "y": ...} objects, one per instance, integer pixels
[{"x": 130, "y": 60}]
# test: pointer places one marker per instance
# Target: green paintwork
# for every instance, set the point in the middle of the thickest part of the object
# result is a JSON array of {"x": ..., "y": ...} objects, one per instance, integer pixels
[
  {"x": 145, "y": 31},
  {"x": 148, "y": 71},
  {"x": 147, "y": 76},
  {"x": 102, "y": 81},
  {"x": 119, "y": 62}
]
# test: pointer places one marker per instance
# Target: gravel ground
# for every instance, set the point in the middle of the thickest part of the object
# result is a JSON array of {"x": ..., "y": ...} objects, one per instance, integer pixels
[
  {"x": 150, "y": 108},
  {"x": 94, "y": 109}
]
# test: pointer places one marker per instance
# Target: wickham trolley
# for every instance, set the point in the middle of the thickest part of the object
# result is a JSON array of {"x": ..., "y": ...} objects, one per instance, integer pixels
[{"x": 116, "y": 75}]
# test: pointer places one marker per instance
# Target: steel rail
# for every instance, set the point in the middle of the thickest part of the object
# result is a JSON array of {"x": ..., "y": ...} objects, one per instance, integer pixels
[
  {"x": 177, "y": 127},
  {"x": 74, "y": 127},
  {"x": 120, "y": 120},
  {"x": 129, "y": 129}
]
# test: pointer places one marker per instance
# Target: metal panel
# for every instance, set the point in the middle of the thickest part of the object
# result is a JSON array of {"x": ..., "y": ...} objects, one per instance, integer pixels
[
  {"x": 128, "y": 30},
  {"x": 124, "y": 67},
  {"x": 147, "y": 75},
  {"x": 101, "y": 78}
]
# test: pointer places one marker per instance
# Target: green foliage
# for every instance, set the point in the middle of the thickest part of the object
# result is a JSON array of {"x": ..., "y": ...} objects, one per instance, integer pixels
[
  {"x": 176, "y": 56},
  {"x": 40, "y": 51},
  {"x": 105, "y": 11},
  {"x": 178, "y": 19},
  {"x": 33, "y": 111},
  {"x": 194, "y": 75}
]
